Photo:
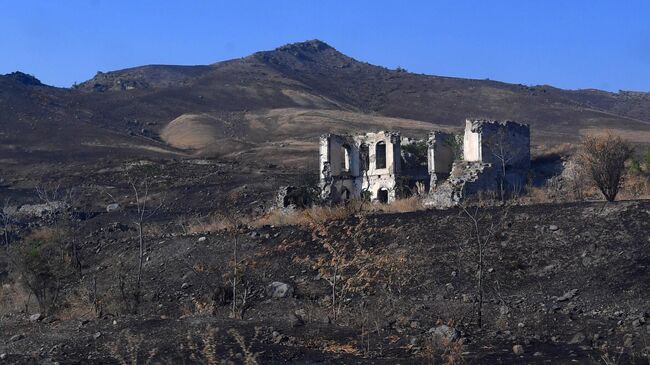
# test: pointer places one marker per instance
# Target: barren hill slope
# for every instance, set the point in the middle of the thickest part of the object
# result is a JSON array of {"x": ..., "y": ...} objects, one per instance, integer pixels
[{"x": 134, "y": 106}]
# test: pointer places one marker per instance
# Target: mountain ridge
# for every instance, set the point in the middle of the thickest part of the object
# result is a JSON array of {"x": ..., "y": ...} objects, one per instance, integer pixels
[{"x": 137, "y": 103}]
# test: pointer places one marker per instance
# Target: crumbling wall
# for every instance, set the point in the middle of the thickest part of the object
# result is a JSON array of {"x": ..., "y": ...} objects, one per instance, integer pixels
[
  {"x": 440, "y": 156},
  {"x": 338, "y": 183},
  {"x": 378, "y": 179},
  {"x": 339, "y": 168},
  {"x": 292, "y": 197},
  {"x": 467, "y": 178},
  {"x": 503, "y": 144},
  {"x": 495, "y": 155}
]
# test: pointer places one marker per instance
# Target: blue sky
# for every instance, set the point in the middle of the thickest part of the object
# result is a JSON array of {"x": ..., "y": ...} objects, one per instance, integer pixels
[{"x": 569, "y": 44}]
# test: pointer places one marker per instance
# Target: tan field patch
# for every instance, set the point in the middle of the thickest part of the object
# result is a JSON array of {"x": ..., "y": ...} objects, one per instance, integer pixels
[
  {"x": 635, "y": 136},
  {"x": 286, "y": 136}
]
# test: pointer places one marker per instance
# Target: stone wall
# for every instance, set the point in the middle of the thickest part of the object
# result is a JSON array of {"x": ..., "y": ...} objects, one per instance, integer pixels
[
  {"x": 496, "y": 155},
  {"x": 440, "y": 156},
  {"x": 467, "y": 178},
  {"x": 503, "y": 144},
  {"x": 337, "y": 152}
]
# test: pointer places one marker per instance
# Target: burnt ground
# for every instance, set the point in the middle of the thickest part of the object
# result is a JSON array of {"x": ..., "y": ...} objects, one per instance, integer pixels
[
  {"x": 574, "y": 293},
  {"x": 567, "y": 282}
]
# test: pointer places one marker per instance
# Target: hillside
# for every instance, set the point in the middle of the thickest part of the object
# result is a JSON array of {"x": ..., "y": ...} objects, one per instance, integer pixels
[
  {"x": 405, "y": 278},
  {"x": 132, "y": 107},
  {"x": 139, "y": 223}
]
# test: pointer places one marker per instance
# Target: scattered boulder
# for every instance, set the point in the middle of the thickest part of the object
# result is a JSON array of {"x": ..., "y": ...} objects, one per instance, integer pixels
[
  {"x": 628, "y": 341},
  {"x": 97, "y": 335},
  {"x": 638, "y": 322},
  {"x": 112, "y": 207},
  {"x": 444, "y": 334},
  {"x": 15, "y": 338},
  {"x": 279, "y": 290},
  {"x": 518, "y": 349},
  {"x": 568, "y": 295},
  {"x": 578, "y": 338},
  {"x": 296, "y": 320},
  {"x": 202, "y": 239},
  {"x": 41, "y": 210},
  {"x": 553, "y": 228},
  {"x": 35, "y": 317},
  {"x": 185, "y": 286}
]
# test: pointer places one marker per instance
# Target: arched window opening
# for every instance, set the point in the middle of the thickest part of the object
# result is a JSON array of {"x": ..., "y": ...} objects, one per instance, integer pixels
[
  {"x": 345, "y": 152},
  {"x": 380, "y": 155},
  {"x": 382, "y": 195}
]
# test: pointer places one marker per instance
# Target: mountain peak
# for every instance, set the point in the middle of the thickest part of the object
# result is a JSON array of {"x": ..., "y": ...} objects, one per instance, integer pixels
[
  {"x": 23, "y": 78},
  {"x": 310, "y": 45},
  {"x": 297, "y": 55}
]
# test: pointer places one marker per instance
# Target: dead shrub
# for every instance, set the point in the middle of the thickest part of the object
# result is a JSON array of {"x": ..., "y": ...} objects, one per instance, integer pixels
[
  {"x": 15, "y": 298},
  {"x": 320, "y": 214},
  {"x": 78, "y": 305},
  {"x": 249, "y": 356},
  {"x": 204, "y": 350},
  {"x": 449, "y": 352},
  {"x": 604, "y": 158},
  {"x": 635, "y": 187},
  {"x": 43, "y": 262},
  {"x": 130, "y": 351},
  {"x": 303, "y": 217},
  {"x": 198, "y": 306}
]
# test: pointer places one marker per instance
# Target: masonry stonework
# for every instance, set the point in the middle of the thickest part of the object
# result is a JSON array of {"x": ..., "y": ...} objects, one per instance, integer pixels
[{"x": 491, "y": 156}]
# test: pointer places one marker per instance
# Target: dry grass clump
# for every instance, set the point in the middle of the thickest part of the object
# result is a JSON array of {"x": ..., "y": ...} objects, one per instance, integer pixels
[
  {"x": 15, "y": 298},
  {"x": 320, "y": 214},
  {"x": 299, "y": 217},
  {"x": 303, "y": 217},
  {"x": 405, "y": 205},
  {"x": 130, "y": 351},
  {"x": 635, "y": 187},
  {"x": 44, "y": 234},
  {"x": 78, "y": 305},
  {"x": 203, "y": 351}
]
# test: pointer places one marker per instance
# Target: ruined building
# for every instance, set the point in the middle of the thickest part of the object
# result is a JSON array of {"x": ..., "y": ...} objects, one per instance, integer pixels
[{"x": 491, "y": 156}]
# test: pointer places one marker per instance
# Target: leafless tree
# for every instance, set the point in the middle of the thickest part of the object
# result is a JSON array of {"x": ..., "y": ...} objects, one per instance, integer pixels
[
  {"x": 6, "y": 221},
  {"x": 503, "y": 152},
  {"x": 49, "y": 194},
  {"x": 485, "y": 224},
  {"x": 144, "y": 211},
  {"x": 241, "y": 288},
  {"x": 604, "y": 158},
  {"x": 65, "y": 198}
]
